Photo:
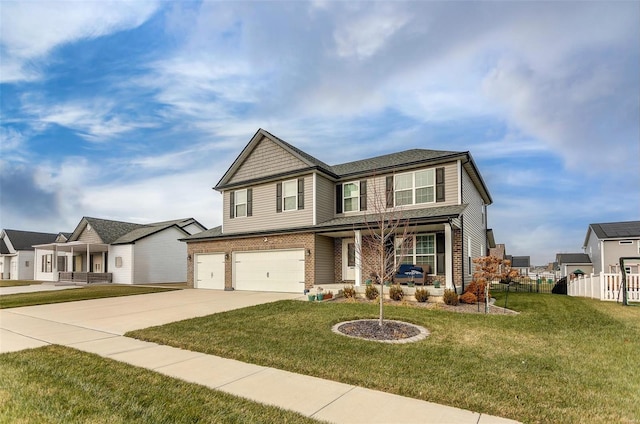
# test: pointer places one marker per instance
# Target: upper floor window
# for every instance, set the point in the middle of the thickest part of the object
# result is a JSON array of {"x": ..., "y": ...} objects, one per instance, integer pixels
[
  {"x": 351, "y": 196},
  {"x": 241, "y": 203},
  {"x": 418, "y": 187},
  {"x": 290, "y": 195}
]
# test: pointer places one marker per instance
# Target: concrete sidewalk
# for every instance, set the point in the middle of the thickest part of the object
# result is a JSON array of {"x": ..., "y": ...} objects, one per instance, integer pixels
[
  {"x": 86, "y": 326},
  {"x": 33, "y": 288}
]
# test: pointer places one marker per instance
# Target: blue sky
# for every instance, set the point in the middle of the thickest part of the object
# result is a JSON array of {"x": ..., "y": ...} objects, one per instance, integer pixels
[{"x": 133, "y": 110}]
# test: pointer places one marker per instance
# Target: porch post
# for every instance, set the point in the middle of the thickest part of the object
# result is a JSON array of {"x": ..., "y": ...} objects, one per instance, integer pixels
[
  {"x": 88, "y": 260},
  {"x": 448, "y": 257},
  {"x": 73, "y": 261},
  {"x": 56, "y": 273},
  {"x": 358, "y": 248}
]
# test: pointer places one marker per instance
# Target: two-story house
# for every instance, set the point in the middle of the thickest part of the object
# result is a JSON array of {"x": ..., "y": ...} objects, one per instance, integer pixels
[
  {"x": 292, "y": 222},
  {"x": 606, "y": 243}
]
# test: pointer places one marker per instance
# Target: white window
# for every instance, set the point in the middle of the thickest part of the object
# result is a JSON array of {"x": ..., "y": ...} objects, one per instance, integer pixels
[
  {"x": 419, "y": 250},
  {"x": 470, "y": 270},
  {"x": 638, "y": 247},
  {"x": 351, "y": 197},
  {"x": 118, "y": 261},
  {"x": 240, "y": 199},
  {"x": 47, "y": 263},
  {"x": 415, "y": 187},
  {"x": 290, "y": 195},
  {"x": 625, "y": 242}
]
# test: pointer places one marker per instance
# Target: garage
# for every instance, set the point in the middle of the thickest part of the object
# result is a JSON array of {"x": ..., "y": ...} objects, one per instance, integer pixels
[
  {"x": 273, "y": 270},
  {"x": 209, "y": 271}
]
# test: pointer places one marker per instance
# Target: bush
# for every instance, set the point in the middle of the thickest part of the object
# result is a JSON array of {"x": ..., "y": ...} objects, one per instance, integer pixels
[
  {"x": 395, "y": 292},
  {"x": 450, "y": 297},
  {"x": 476, "y": 288},
  {"x": 469, "y": 298},
  {"x": 349, "y": 292},
  {"x": 371, "y": 292},
  {"x": 421, "y": 295}
]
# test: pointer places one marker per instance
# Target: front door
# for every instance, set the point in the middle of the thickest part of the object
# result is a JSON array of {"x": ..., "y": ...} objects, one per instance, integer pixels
[{"x": 348, "y": 259}]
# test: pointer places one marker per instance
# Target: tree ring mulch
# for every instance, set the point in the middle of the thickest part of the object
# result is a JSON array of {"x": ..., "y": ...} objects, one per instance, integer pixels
[{"x": 391, "y": 332}]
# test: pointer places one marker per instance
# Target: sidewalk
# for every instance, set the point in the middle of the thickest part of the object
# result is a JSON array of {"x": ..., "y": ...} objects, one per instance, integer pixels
[{"x": 317, "y": 398}]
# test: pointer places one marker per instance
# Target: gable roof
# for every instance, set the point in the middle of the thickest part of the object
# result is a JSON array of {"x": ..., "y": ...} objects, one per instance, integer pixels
[
  {"x": 573, "y": 258},
  {"x": 4, "y": 249},
  {"x": 405, "y": 159},
  {"x": 616, "y": 229},
  {"x": 25, "y": 240},
  {"x": 145, "y": 231},
  {"x": 520, "y": 261}
]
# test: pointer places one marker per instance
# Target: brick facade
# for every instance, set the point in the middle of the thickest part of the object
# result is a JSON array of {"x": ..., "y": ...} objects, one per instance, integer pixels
[
  {"x": 457, "y": 257},
  {"x": 272, "y": 242}
]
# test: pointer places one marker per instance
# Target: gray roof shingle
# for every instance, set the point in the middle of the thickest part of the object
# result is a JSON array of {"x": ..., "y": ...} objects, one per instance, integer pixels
[
  {"x": 617, "y": 229},
  {"x": 392, "y": 160},
  {"x": 25, "y": 240},
  {"x": 573, "y": 258}
]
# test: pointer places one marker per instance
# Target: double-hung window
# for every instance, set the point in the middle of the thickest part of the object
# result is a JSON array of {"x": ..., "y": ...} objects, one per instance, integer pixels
[
  {"x": 240, "y": 203},
  {"x": 351, "y": 196},
  {"x": 419, "y": 250},
  {"x": 415, "y": 188},
  {"x": 290, "y": 195}
]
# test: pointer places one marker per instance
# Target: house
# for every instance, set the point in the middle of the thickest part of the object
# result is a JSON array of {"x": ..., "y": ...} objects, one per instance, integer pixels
[
  {"x": 520, "y": 263},
  {"x": 101, "y": 250},
  {"x": 606, "y": 243},
  {"x": 292, "y": 222},
  {"x": 568, "y": 263},
  {"x": 17, "y": 253}
]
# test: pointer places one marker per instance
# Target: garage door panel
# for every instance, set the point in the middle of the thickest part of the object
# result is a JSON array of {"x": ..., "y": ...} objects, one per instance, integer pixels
[
  {"x": 280, "y": 270},
  {"x": 209, "y": 271}
]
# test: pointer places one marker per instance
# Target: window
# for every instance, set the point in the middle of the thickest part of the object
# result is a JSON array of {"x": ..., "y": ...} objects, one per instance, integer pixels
[
  {"x": 419, "y": 250},
  {"x": 290, "y": 195},
  {"x": 240, "y": 203},
  {"x": 118, "y": 261},
  {"x": 351, "y": 196},
  {"x": 415, "y": 187},
  {"x": 470, "y": 262},
  {"x": 26, "y": 264},
  {"x": 625, "y": 242},
  {"x": 62, "y": 263},
  {"x": 47, "y": 263}
]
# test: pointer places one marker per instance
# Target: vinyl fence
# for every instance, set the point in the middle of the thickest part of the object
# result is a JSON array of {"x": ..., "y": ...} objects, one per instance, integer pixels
[{"x": 605, "y": 287}]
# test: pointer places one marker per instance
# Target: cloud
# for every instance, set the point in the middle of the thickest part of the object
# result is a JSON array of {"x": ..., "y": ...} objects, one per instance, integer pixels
[{"x": 31, "y": 30}]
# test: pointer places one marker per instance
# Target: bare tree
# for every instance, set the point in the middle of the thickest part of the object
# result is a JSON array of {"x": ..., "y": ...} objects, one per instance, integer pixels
[{"x": 385, "y": 242}]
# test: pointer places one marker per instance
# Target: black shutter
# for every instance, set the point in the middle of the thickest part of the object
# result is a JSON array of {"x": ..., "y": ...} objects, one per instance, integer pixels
[
  {"x": 390, "y": 191},
  {"x": 249, "y": 201},
  {"x": 363, "y": 195},
  {"x": 232, "y": 206},
  {"x": 300, "y": 193},
  {"x": 279, "y": 197},
  {"x": 439, "y": 184},
  {"x": 338, "y": 198}
]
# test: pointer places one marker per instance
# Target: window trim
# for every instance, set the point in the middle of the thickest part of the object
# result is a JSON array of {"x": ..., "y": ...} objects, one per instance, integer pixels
[
  {"x": 236, "y": 203},
  {"x": 414, "y": 255},
  {"x": 357, "y": 197},
  {"x": 414, "y": 188},
  {"x": 294, "y": 183}
]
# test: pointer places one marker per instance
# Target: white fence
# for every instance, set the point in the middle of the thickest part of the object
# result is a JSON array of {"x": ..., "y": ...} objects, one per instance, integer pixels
[{"x": 605, "y": 287}]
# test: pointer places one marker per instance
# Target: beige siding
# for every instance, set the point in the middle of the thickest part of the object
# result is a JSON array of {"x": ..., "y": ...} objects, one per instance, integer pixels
[
  {"x": 593, "y": 250},
  {"x": 88, "y": 235},
  {"x": 613, "y": 251},
  {"x": 267, "y": 158},
  {"x": 376, "y": 191},
  {"x": 265, "y": 216},
  {"x": 324, "y": 261},
  {"x": 473, "y": 225},
  {"x": 325, "y": 199}
]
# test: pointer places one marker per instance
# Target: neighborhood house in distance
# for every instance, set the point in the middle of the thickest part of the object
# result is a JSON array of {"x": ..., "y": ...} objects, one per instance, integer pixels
[
  {"x": 17, "y": 252},
  {"x": 292, "y": 222},
  {"x": 101, "y": 250}
]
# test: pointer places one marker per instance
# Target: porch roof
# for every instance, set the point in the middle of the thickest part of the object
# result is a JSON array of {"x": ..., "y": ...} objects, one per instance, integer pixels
[
  {"x": 76, "y": 246},
  {"x": 434, "y": 215}
]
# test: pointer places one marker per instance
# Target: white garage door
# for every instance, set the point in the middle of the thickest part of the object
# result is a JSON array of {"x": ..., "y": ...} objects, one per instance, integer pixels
[
  {"x": 209, "y": 271},
  {"x": 273, "y": 270}
]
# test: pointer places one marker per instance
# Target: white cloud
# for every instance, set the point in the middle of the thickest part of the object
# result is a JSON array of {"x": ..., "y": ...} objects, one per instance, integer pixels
[{"x": 32, "y": 29}]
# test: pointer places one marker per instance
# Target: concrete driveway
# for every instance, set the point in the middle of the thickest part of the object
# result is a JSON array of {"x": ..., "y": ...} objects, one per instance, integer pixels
[{"x": 64, "y": 323}]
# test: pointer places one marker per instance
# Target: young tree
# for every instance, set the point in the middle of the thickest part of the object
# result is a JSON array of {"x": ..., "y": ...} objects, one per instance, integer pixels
[
  {"x": 386, "y": 241},
  {"x": 489, "y": 269}
]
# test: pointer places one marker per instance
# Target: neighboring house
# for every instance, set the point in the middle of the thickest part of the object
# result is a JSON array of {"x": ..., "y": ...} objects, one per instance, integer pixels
[
  {"x": 292, "y": 222},
  {"x": 17, "y": 253},
  {"x": 605, "y": 243},
  {"x": 520, "y": 263},
  {"x": 118, "y": 252},
  {"x": 568, "y": 263}
]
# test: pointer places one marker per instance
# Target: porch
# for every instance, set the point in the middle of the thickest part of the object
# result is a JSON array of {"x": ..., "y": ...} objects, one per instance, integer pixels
[{"x": 85, "y": 277}]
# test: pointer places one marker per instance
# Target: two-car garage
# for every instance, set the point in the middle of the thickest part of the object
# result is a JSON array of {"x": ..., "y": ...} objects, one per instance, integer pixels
[{"x": 263, "y": 270}]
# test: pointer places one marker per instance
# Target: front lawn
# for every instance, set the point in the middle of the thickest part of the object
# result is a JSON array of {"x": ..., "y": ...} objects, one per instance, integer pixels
[
  {"x": 561, "y": 359},
  {"x": 55, "y": 384},
  {"x": 84, "y": 293},
  {"x": 14, "y": 283}
]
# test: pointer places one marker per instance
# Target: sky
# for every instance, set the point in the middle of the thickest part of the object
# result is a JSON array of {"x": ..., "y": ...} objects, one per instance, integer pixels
[{"x": 133, "y": 110}]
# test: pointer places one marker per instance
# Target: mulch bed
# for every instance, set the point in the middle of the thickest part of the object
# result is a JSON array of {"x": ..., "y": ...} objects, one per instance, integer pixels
[
  {"x": 461, "y": 307},
  {"x": 371, "y": 330}
]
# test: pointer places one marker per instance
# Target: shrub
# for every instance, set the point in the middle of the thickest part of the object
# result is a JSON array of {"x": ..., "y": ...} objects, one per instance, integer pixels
[
  {"x": 421, "y": 295},
  {"x": 477, "y": 288},
  {"x": 371, "y": 292},
  {"x": 395, "y": 292},
  {"x": 328, "y": 295},
  {"x": 349, "y": 292},
  {"x": 450, "y": 297},
  {"x": 469, "y": 297}
]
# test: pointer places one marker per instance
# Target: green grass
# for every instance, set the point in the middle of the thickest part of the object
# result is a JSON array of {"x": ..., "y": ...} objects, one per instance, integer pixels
[
  {"x": 56, "y": 384},
  {"x": 562, "y": 359},
  {"x": 84, "y": 293},
  {"x": 14, "y": 283}
]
